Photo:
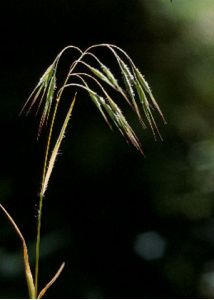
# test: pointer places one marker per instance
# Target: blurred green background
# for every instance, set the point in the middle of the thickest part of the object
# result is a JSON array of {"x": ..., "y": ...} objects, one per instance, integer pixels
[{"x": 126, "y": 226}]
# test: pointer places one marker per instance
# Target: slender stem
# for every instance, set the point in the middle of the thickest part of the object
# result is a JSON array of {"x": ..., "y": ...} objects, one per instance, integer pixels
[
  {"x": 38, "y": 244},
  {"x": 41, "y": 199}
]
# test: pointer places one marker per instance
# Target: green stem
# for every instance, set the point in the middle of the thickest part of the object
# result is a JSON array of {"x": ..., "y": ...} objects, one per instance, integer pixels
[
  {"x": 38, "y": 244},
  {"x": 41, "y": 199}
]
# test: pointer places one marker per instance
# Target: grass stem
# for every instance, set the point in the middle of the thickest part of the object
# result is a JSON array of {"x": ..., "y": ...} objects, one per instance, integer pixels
[{"x": 42, "y": 197}]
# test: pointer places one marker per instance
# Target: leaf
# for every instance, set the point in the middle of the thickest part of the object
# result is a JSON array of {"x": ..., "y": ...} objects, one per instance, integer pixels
[
  {"x": 51, "y": 282},
  {"x": 28, "y": 273},
  {"x": 56, "y": 147}
]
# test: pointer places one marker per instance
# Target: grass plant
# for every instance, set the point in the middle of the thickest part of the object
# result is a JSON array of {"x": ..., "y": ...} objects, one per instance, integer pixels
[{"x": 88, "y": 73}]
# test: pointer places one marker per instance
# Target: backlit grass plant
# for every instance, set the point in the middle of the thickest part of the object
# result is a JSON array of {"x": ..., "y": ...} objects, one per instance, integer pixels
[{"x": 88, "y": 73}]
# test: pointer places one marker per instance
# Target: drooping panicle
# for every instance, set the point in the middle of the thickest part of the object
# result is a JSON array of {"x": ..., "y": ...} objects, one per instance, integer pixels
[{"x": 132, "y": 87}]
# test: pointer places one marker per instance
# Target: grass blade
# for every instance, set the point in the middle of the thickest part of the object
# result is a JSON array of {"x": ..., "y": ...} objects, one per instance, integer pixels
[
  {"x": 28, "y": 273},
  {"x": 51, "y": 282},
  {"x": 56, "y": 147}
]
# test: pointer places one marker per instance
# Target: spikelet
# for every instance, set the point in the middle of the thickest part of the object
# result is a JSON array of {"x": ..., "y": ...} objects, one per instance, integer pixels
[
  {"x": 128, "y": 79},
  {"x": 48, "y": 103},
  {"x": 100, "y": 75},
  {"x": 120, "y": 122},
  {"x": 42, "y": 95},
  {"x": 98, "y": 101},
  {"x": 141, "y": 80},
  {"x": 147, "y": 111},
  {"x": 110, "y": 76}
]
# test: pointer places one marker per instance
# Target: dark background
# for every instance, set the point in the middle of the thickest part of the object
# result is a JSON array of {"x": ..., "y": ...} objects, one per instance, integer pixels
[{"x": 126, "y": 226}]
